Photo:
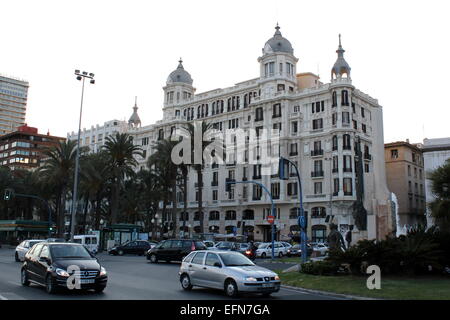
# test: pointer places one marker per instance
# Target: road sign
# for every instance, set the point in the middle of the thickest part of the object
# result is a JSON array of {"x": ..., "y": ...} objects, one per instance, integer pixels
[{"x": 270, "y": 219}]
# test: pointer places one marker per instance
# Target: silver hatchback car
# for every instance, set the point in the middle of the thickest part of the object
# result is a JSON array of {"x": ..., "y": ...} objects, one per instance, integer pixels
[{"x": 226, "y": 270}]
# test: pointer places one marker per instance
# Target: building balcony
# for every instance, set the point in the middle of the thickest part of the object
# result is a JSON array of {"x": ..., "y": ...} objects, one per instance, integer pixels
[
  {"x": 315, "y": 153},
  {"x": 293, "y": 153},
  {"x": 348, "y": 170},
  {"x": 196, "y": 185},
  {"x": 347, "y": 147},
  {"x": 214, "y": 183},
  {"x": 317, "y": 174},
  {"x": 335, "y": 170}
]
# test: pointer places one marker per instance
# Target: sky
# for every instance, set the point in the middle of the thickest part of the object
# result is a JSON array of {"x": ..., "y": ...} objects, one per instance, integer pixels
[{"x": 399, "y": 52}]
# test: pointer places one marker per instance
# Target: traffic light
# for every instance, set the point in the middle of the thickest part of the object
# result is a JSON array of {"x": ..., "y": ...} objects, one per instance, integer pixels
[
  {"x": 8, "y": 194},
  {"x": 283, "y": 168}
]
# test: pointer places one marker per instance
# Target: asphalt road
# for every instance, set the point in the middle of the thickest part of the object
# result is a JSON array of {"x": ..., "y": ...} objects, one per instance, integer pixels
[{"x": 129, "y": 278}]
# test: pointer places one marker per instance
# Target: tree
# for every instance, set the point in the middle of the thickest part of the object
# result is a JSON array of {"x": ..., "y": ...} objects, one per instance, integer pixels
[
  {"x": 198, "y": 167},
  {"x": 121, "y": 153},
  {"x": 150, "y": 192},
  {"x": 162, "y": 165},
  {"x": 57, "y": 170},
  {"x": 440, "y": 187},
  {"x": 93, "y": 183}
]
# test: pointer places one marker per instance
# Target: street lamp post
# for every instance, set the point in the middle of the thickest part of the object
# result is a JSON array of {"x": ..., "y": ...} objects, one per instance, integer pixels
[
  {"x": 81, "y": 76},
  {"x": 229, "y": 183},
  {"x": 301, "y": 215}
]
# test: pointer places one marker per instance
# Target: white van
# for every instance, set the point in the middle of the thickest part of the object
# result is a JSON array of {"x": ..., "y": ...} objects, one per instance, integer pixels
[{"x": 90, "y": 241}]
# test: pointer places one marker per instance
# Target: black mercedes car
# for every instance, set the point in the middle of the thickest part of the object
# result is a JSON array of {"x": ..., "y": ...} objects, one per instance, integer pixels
[
  {"x": 139, "y": 247},
  {"x": 174, "y": 250},
  {"x": 62, "y": 265}
]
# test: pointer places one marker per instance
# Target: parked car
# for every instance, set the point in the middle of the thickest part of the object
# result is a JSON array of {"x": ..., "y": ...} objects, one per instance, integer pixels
[
  {"x": 287, "y": 245},
  {"x": 23, "y": 248},
  {"x": 90, "y": 241},
  {"x": 321, "y": 248},
  {"x": 174, "y": 250},
  {"x": 139, "y": 247},
  {"x": 209, "y": 243},
  {"x": 265, "y": 250},
  {"x": 226, "y": 270},
  {"x": 296, "y": 250},
  {"x": 56, "y": 240},
  {"x": 47, "y": 264}
]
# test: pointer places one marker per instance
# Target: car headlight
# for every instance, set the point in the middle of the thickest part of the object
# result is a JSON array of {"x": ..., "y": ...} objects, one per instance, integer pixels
[
  {"x": 277, "y": 277},
  {"x": 103, "y": 272},
  {"x": 250, "y": 279},
  {"x": 61, "y": 272}
]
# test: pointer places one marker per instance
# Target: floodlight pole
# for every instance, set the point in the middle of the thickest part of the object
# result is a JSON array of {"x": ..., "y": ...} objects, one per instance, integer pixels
[{"x": 82, "y": 77}]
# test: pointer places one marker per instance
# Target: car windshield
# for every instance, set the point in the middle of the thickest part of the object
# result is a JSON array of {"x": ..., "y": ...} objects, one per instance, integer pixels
[
  {"x": 263, "y": 245},
  {"x": 69, "y": 252},
  {"x": 235, "y": 260}
]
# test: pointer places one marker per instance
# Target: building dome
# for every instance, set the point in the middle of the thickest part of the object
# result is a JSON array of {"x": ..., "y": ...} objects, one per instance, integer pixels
[
  {"x": 278, "y": 43},
  {"x": 135, "y": 121},
  {"x": 180, "y": 75},
  {"x": 341, "y": 66}
]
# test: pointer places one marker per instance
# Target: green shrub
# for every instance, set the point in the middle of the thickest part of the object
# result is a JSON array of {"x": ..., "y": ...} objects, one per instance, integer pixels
[{"x": 320, "y": 268}]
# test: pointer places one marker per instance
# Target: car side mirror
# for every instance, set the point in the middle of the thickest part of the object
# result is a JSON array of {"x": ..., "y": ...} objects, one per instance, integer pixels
[{"x": 217, "y": 264}]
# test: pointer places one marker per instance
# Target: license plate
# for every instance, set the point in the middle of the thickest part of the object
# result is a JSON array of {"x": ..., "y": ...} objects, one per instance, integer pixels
[
  {"x": 267, "y": 285},
  {"x": 85, "y": 281}
]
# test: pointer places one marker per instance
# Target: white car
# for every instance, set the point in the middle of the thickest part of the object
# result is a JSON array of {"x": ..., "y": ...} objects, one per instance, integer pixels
[
  {"x": 320, "y": 247},
  {"x": 265, "y": 250},
  {"x": 23, "y": 248}
]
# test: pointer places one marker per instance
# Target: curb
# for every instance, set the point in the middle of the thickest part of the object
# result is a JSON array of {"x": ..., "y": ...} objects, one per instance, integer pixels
[{"x": 327, "y": 293}]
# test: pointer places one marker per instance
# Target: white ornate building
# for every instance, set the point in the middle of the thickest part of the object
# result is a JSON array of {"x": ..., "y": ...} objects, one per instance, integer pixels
[{"x": 319, "y": 124}]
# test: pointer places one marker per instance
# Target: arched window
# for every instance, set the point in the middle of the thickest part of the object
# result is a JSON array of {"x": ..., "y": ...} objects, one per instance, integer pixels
[
  {"x": 346, "y": 142},
  {"x": 198, "y": 111},
  {"x": 221, "y": 106},
  {"x": 318, "y": 212},
  {"x": 248, "y": 215},
  {"x": 214, "y": 216},
  {"x": 238, "y": 102},
  {"x": 228, "y": 104},
  {"x": 334, "y": 104},
  {"x": 197, "y": 216},
  {"x": 213, "y": 107},
  {"x": 184, "y": 216},
  {"x": 344, "y": 98},
  {"x": 293, "y": 213},
  {"x": 335, "y": 143},
  {"x": 230, "y": 215},
  {"x": 206, "y": 110},
  {"x": 245, "y": 101},
  {"x": 197, "y": 229}
]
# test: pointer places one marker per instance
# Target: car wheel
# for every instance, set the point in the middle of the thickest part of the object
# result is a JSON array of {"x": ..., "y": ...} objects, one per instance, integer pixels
[
  {"x": 24, "y": 278},
  {"x": 120, "y": 252},
  {"x": 231, "y": 289},
  {"x": 99, "y": 289},
  {"x": 153, "y": 258},
  {"x": 185, "y": 282},
  {"x": 16, "y": 256},
  {"x": 280, "y": 255},
  {"x": 50, "y": 285},
  {"x": 263, "y": 255}
]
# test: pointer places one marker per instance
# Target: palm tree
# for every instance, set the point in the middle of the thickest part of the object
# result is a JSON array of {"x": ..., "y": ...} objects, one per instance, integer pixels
[
  {"x": 121, "y": 153},
  {"x": 93, "y": 183},
  {"x": 58, "y": 170},
  {"x": 191, "y": 128},
  {"x": 163, "y": 166},
  {"x": 150, "y": 192},
  {"x": 440, "y": 208}
]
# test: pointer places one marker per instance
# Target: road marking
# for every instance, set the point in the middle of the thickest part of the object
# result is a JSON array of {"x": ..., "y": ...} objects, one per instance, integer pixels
[{"x": 312, "y": 293}]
